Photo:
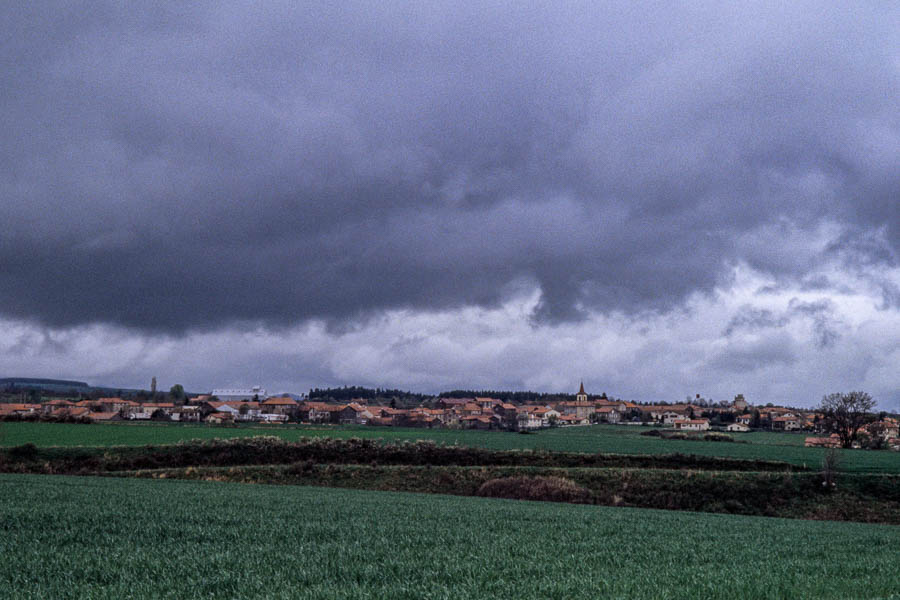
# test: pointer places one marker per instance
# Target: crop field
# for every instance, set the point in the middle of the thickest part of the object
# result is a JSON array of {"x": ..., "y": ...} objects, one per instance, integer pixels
[
  {"x": 66, "y": 537},
  {"x": 598, "y": 438}
]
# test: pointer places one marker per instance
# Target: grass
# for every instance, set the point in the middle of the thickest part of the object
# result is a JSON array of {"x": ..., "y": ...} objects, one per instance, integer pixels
[
  {"x": 598, "y": 438},
  {"x": 69, "y": 537}
]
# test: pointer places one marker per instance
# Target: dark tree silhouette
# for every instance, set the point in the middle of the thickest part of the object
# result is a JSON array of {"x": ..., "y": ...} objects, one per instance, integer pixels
[{"x": 845, "y": 414}]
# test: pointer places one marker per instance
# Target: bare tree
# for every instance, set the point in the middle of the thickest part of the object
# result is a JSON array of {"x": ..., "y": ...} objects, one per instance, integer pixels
[{"x": 844, "y": 414}]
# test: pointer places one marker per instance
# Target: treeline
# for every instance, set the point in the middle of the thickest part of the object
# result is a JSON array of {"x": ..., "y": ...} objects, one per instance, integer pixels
[
  {"x": 348, "y": 393},
  {"x": 402, "y": 397},
  {"x": 511, "y": 397}
]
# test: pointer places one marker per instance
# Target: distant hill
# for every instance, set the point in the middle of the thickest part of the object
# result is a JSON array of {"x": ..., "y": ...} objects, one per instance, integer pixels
[
  {"x": 41, "y": 383},
  {"x": 64, "y": 387}
]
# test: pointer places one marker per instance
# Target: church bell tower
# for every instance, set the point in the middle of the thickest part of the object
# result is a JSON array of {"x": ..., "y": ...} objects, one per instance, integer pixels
[{"x": 581, "y": 396}]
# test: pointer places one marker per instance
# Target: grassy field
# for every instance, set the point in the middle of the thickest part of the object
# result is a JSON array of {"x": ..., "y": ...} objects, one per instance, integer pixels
[
  {"x": 598, "y": 438},
  {"x": 76, "y": 538}
]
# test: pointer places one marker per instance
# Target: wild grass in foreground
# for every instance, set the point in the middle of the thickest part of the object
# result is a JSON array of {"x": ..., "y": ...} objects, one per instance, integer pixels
[
  {"x": 621, "y": 439},
  {"x": 85, "y": 537}
]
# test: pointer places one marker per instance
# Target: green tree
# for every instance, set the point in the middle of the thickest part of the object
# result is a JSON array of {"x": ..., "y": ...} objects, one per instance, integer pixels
[
  {"x": 177, "y": 393},
  {"x": 844, "y": 414}
]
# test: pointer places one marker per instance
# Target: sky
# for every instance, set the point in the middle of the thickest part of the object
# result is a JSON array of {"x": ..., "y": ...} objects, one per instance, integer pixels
[{"x": 660, "y": 199}]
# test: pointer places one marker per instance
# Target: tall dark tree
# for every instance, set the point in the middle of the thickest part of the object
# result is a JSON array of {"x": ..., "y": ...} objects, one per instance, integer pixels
[
  {"x": 844, "y": 414},
  {"x": 755, "y": 420},
  {"x": 177, "y": 393}
]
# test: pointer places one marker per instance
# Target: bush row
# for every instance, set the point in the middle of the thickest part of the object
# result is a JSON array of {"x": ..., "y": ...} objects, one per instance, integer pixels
[
  {"x": 709, "y": 436},
  {"x": 262, "y": 450},
  {"x": 45, "y": 418},
  {"x": 869, "y": 498}
]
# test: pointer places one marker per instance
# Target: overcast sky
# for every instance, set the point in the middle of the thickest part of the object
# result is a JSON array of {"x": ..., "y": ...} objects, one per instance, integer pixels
[{"x": 660, "y": 200}]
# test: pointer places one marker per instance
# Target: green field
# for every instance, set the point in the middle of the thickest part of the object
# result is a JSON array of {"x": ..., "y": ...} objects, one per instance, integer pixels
[
  {"x": 598, "y": 438},
  {"x": 80, "y": 537}
]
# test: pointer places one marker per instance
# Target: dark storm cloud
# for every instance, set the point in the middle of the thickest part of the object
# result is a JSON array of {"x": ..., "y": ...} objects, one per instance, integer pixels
[
  {"x": 776, "y": 350},
  {"x": 750, "y": 318},
  {"x": 170, "y": 168},
  {"x": 820, "y": 313}
]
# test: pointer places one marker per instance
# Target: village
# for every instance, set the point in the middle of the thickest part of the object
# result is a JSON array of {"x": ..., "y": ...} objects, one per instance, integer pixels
[{"x": 253, "y": 405}]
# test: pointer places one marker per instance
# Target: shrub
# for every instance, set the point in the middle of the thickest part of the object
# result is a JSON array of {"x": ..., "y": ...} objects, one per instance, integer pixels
[
  {"x": 718, "y": 437},
  {"x": 306, "y": 467},
  {"x": 549, "y": 489},
  {"x": 652, "y": 433},
  {"x": 24, "y": 452}
]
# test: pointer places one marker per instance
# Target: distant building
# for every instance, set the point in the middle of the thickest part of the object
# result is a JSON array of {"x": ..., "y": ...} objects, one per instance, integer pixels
[
  {"x": 744, "y": 419},
  {"x": 609, "y": 414},
  {"x": 786, "y": 423},
  {"x": 581, "y": 408},
  {"x": 739, "y": 404},
  {"x": 255, "y": 393},
  {"x": 692, "y": 424},
  {"x": 581, "y": 396},
  {"x": 823, "y": 442}
]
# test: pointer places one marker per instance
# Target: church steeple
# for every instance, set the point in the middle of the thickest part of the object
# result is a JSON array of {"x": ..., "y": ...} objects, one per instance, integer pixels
[{"x": 582, "y": 396}]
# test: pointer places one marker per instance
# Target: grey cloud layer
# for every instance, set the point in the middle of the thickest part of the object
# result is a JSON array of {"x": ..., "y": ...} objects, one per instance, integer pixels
[{"x": 169, "y": 168}]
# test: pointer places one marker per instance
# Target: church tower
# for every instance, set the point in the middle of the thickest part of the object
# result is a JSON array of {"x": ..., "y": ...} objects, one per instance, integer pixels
[{"x": 581, "y": 396}]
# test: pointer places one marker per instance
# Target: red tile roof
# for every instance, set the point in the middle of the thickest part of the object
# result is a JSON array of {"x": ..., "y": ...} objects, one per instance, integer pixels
[
  {"x": 280, "y": 402},
  {"x": 219, "y": 415},
  {"x": 18, "y": 407},
  {"x": 480, "y": 418},
  {"x": 103, "y": 416}
]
